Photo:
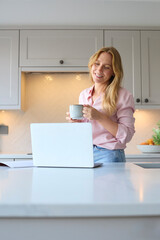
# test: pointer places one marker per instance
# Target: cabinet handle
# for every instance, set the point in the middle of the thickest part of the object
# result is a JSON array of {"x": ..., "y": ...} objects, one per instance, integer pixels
[
  {"x": 61, "y": 61},
  {"x": 146, "y": 100},
  {"x": 138, "y": 100}
]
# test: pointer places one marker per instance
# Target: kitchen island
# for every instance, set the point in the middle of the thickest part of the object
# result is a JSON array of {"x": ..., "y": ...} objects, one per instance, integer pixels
[
  {"x": 147, "y": 157},
  {"x": 114, "y": 201}
]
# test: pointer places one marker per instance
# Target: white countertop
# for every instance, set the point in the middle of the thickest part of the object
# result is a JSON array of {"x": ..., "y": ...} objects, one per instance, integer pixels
[{"x": 116, "y": 189}]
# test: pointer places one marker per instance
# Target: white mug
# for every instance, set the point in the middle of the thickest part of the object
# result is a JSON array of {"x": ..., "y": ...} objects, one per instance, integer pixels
[{"x": 75, "y": 111}]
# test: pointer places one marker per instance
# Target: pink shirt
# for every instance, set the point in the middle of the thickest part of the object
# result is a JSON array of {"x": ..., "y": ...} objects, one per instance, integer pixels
[{"x": 123, "y": 116}]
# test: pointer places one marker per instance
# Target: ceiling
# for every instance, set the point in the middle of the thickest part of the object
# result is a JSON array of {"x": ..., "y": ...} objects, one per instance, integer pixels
[{"x": 80, "y": 13}]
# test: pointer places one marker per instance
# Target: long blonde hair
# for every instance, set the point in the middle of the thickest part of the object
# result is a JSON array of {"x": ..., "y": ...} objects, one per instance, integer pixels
[{"x": 111, "y": 90}]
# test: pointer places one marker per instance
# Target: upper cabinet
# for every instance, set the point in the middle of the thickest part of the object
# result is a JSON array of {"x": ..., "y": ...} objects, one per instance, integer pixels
[
  {"x": 70, "y": 50},
  {"x": 140, "y": 52},
  {"x": 128, "y": 45},
  {"x": 150, "y": 55},
  {"x": 9, "y": 82},
  {"x": 67, "y": 48}
]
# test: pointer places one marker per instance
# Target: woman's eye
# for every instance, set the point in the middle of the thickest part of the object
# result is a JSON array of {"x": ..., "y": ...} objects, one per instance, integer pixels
[{"x": 107, "y": 67}]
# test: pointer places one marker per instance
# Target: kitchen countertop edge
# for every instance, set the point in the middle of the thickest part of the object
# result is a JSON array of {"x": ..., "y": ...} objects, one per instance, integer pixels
[
  {"x": 99, "y": 210},
  {"x": 29, "y": 155}
]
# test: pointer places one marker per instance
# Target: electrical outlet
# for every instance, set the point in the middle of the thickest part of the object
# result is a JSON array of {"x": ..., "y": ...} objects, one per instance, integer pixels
[{"x": 3, "y": 129}]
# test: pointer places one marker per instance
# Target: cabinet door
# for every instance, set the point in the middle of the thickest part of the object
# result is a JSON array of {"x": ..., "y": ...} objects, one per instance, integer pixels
[
  {"x": 9, "y": 93},
  {"x": 58, "y": 47},
  {"x": 128, "y": 45},
  {"x": 150, "y": 51}
]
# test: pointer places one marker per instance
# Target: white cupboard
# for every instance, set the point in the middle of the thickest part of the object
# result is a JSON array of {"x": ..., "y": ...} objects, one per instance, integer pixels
[
  {"x": 9, "y": 81},
  {"x": 150, "y": 55},
  {"x": 140, "y": 52},
  {"x": 67, "y": 48},
  {"x": 128, "y": 45},
  {"x": 70, "y": 50}
]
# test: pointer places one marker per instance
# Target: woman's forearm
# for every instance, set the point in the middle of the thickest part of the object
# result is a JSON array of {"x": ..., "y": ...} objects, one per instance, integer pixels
[
  {"x": 92, "y": 114},
  {"x": 108, "y": 124}
]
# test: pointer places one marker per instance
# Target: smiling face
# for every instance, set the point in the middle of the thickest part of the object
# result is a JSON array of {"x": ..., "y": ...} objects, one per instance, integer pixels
[{"x": 101, "y": 70}]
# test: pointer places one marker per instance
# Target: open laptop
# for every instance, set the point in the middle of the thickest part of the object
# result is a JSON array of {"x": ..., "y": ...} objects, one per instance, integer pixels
[{"x": 62, "y": 145}]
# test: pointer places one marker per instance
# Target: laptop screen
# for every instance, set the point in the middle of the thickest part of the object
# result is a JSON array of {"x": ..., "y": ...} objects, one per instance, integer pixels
[{"x": 62, "y": 144}]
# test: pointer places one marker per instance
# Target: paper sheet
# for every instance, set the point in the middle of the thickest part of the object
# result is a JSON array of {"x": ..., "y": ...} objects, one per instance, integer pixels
[{"x": 17, "y": 164}]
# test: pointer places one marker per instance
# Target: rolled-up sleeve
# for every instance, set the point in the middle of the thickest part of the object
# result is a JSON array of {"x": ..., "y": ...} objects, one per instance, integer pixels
[{"x": 125, "y": 118}]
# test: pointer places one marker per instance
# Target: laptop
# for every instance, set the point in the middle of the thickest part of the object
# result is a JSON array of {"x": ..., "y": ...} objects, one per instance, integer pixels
[{"x": 62, "y": 145}]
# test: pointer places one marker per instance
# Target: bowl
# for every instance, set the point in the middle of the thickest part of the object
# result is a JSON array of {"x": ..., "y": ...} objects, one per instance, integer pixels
[{"x": 149, "y": 148}]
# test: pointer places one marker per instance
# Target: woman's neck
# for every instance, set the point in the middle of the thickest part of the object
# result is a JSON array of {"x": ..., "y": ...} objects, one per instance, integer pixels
[{"x": 99, "y": 89}]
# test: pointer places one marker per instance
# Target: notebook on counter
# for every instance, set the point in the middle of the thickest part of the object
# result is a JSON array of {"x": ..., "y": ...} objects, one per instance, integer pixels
[
  {"x": 62, "y": 145},
  {"x": 17, "y": 164}
]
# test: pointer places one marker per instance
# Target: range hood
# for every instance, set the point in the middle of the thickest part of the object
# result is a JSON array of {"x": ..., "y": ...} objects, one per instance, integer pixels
[{"x": 55, "y": 69}]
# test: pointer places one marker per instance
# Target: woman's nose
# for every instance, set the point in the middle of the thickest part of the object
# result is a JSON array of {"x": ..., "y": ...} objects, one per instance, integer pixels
[{"x": 100, "y": 68}]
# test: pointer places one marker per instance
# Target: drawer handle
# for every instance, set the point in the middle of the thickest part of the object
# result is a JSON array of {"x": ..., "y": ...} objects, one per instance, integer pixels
[
  {"x": 138, "y": 100},
  {"x": 61, "y": 61},
  {"x": 146, "y": 100}
]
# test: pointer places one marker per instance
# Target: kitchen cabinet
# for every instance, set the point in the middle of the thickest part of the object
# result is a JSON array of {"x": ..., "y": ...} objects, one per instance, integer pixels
[
  {"x": 140, "y": 52},
  {"x": 59, "y": 48},
  {"x": 128, "y": 45},
  {"x": 69, "y": 50},
  {"x": 150, "y": 55},
  {"x": 9, "y": 73}
]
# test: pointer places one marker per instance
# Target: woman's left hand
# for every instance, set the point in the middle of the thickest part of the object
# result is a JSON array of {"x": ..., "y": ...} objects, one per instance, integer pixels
[{"x": 91, "y": 113}]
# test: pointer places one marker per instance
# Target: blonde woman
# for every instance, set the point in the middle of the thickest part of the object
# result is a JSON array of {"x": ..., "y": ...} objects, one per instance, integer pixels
[{"x": 108, "y": 106}]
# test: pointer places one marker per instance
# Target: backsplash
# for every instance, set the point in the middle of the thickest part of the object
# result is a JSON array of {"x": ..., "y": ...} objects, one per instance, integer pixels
[{"x": 47, "y": 98}]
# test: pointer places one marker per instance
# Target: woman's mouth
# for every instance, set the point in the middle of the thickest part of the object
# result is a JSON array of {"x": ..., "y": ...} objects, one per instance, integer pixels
[{"x": 98, "y": 75}]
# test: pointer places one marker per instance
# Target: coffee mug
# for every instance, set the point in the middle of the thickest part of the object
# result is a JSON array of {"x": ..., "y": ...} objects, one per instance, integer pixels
[{"x": 75, "y": 111}]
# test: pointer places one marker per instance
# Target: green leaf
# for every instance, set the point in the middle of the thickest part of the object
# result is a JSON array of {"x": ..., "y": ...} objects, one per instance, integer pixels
[{"x": 156, "y": 136}]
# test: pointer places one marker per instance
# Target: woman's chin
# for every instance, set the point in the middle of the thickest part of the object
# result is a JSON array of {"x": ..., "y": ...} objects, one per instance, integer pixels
[{"x": 98, "y": 81}]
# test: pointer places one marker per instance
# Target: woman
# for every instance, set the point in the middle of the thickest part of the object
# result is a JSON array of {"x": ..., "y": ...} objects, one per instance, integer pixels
[{"x": 108, "y": 106}]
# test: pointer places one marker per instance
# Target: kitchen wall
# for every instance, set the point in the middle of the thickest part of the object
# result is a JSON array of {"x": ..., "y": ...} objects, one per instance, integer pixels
[{"x": 46, "y": 98}]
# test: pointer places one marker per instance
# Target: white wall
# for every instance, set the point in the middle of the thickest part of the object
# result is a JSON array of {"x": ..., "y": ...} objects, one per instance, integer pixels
[
  {"x": 80, "y": 12},
  {"x": 47, "y": 98}
]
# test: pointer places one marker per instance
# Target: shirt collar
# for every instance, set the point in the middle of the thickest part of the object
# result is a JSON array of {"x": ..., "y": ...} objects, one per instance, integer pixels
[{"x": 90, "y": 94}]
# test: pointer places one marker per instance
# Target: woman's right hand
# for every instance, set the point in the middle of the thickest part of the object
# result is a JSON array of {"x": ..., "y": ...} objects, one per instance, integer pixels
[{"x": 70, "y": 119}]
